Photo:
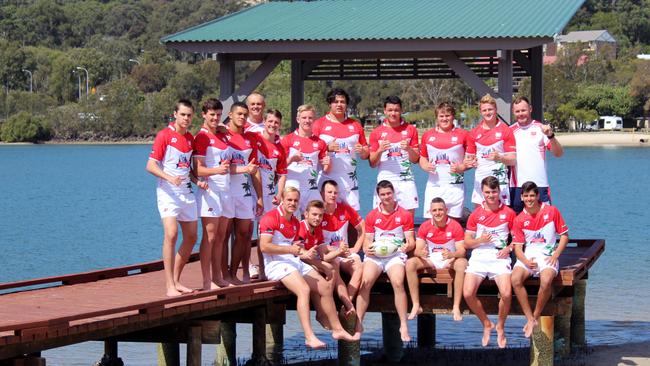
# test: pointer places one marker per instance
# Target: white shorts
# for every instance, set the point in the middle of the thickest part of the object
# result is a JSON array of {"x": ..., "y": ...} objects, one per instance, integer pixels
[
  {"x": 305, "y": 197},
  {"x": 540, "y": 258},
  {"x": 438, "y": 262},
  {"x": 276, "y": 270},
  {"x": 213, "y": 203},
  {"x": 385, "y": 263},
  {"x": 406, "y": 194},
  {"x": 241, "y": 207},
  {"x": 182, "y": 206},
  {"x": 477, "y": 194},
  {"x": 351, "y": 256},
  {"x": 486, "y": 264},
  {"x": 452, "y": 194}
]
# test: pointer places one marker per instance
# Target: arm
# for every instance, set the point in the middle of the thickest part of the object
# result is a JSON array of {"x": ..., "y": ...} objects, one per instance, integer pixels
[
  {"x": 367, "y": 244},
  {"x": 564, "y": 240},
  {"x": 153, "y": 167},
  {"x": 257, "y": 185},
  {"x": 420, "y": 249},
  {"x": 556, "y": 148},
  {"x": 426, "y": 165},
  {"x": 361, "y": 237},
  {"x": 460, "y": 250},
  {"x": 471, "y": 242},
  {"x": 266, "y": 246},
  {"x": 410, "y": 241},
  {"x": 203, "y": 171}
]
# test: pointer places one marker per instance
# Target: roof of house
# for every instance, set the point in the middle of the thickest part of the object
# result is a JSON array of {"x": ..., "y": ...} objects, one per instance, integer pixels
[
  {"x": 586, "y": 36},
  {"x": 348, "y": 20}
]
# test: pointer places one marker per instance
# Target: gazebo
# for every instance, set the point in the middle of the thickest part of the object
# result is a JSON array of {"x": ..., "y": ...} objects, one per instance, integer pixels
[{"x": 385, "y": 39}]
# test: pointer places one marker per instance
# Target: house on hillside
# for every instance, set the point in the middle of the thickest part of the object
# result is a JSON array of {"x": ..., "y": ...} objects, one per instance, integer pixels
[{"x": 595, "y": 42}]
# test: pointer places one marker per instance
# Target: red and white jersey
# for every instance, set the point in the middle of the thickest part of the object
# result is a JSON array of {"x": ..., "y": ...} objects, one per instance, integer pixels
[
  {"x": 272, "y": 162},
  {"x": 215, "y": 150},
  {"x": 251, "y": 126},
  {"x": 281, "y": 230},
  {"x": 335, "y": 225},
  {"x": 392, "y": 225},
  {"x": 310, "y": 239},
  {"x": 498, "y": 223},
  {"x": 243, "y": 149},
  {"x": 304, "y": 174},
  {"x": 539, "y": 231},
  {"x": 483, "y": 141},
  {"x": 444, "y": 149},
  {"x": 532, "y": 144},
  {"x": 344, "y": 161},
  {"x": 440, "y": 238},
  {"x": 174, "y": 152},
  {"x": 394, "y": 163}
]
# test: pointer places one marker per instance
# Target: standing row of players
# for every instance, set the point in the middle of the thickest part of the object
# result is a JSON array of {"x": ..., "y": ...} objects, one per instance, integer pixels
[{"x": 240, "y": 168}]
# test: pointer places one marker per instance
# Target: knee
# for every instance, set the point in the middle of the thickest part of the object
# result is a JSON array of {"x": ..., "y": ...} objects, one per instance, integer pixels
[
  {"x": 517, "y": 281},
  {"x": 411, "y": 265},
  {"x": 506, "y": 295},
  {"x": 190, "y": 237},
  {"x": 545, "y": 284},
  {"x": 468, "y": 293},
  {"x": 303, "y": 292}
]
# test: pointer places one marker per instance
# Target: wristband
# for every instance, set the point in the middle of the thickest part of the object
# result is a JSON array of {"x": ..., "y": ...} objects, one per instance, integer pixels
[{"x": 552, "y": 136}]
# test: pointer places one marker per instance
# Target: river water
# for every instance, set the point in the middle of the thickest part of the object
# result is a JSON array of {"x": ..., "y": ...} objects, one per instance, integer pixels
[{"x": 72, "y": 208}]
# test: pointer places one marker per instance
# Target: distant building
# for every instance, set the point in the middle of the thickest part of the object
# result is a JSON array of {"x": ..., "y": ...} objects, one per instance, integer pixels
[{"x": 595, "y": 42}]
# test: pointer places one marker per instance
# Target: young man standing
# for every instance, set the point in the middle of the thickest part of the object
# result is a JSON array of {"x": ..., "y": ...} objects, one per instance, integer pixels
[
  {"x": 272, "y": 160},
  {"x": 394, "y": 149},
  {"x": 442, "y": 154},
  {"x": 536, "y": 228},
  {"x": 533, "y": 139},
  {"x": 346, "y": 142},
  {"x": 388, "y": 220},
  {"x": 170, "y": 161},
  {"x": 487, "y": 233},
  {"x": 439, "y": 245},
  {"x": 244, "y": 171}
]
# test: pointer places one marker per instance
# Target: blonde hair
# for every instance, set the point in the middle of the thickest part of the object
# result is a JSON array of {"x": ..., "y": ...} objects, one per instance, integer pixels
[
  {"x": 305, "y": 108},
  {"x": 290, "y": 189},
  {"x": 488, "y": 99}
]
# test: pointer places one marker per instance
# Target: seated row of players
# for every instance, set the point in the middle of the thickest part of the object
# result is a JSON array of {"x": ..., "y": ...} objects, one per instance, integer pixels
[{"x": 299, "y": 255}]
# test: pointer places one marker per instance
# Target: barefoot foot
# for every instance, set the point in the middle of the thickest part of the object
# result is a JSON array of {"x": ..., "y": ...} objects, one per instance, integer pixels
[
  {"x": 210, "y": 286},
  {"x": 501, "y": 337},
  {"x": 529, "y": 327},
  {"x": 172, "y": 292},
  {"x": 415, "y": 311},
  {"x": 345, "y": 336},
  {"x": 183, "y": 289},
  {"x": 487, "y": 330},
  {"x": 404, "y": 334},
  {"x": 314, "y": 343},
  {"x": 458, "y": 315}
]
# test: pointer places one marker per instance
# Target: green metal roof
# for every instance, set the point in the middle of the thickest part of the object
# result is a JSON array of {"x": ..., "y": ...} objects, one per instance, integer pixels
[{"x": 339, "y": 20}]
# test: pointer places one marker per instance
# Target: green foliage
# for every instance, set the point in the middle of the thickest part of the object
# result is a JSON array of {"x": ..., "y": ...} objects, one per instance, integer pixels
[
  {"x": 24, "y": 127},
  {"x": 607, "y": 100},
  {"x": 119, "y": 110}
]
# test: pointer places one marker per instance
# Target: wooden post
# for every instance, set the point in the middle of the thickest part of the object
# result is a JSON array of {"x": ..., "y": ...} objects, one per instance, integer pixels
[
  {"x": 110, "y": 357},
  {"x": 274, "y": 342},
  {"x": 297, "y": 90},
  {"x": 426, "y": 330},
  {"x": 194, "y": 345},
  {"x": 393, "y": 346},
  {"x": 578, "y": 313},
  {"x": 33, "y": 359},
  {"x": 563, "y": 327},
  {"x": 168, "y": 354},
  {"x": 349, "y": 352},
  {"x": 537, "y": 81},
  {"x": 259, "y": 337},
  {"x": 541, "y": 349},
  {"x": 227, "y": 349}
]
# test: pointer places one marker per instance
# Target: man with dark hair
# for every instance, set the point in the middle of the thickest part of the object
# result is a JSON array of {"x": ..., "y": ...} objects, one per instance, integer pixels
[
  {"x": 533, "y": 139},
  {"x": 536, "y": 228},
  {"x": 169, "y": 161},
  {"x": 387, "y": 222},
  {"x": 346, "y": 142},
  {"x": 439, "y": 244},
  {"x": 394, "y": 149},
  {"x": 487, "y": 233}
]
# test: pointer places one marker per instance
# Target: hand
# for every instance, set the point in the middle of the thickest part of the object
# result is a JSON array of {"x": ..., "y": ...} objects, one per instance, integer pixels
[
  {"x": 407, "y": 247},
  {"x": 344, "y": 249},
  {"x": 446, "y": 254},
  {"x": 494, "y": 156},
  {"x": 251, "y": 168},
  {"x": 531, "y": 264},
  {"x": 422, "y": 253},
  {"x": 223, "y": 168},
  {"x": 353, "y": 250},
  {"x": 429, "y": 167},
  {"x": 503, "y": 253},
  {"x": 295, "y": 158},
  {"x": 327, "y": 269},
  {"x": 203, "y": 185},
  {"x": 551, "y": 261},
  {"x": 309, "y": 254},
  {"x": 457, "y": 168},
  {"x": 325, "y": 160},
  {"x": 175, "y": 180},
  {"x": 358, "y": 148},
  {"x": 276, "y": 199},
  {"x": 333, "y": 146},
  {"x": 371, "y": 250},
  {"x": 259, "y": 207},
  {"x": 484, "y": 238},
  {"x": 383, "y": 145},
  {"x": 404, "y": 144},
  {"x": 471, "y": 161},
  {"x": 547, "y": 130}
]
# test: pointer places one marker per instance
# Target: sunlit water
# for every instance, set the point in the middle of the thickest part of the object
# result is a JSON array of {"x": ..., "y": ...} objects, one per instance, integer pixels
[{"x": 74, "y": 208}]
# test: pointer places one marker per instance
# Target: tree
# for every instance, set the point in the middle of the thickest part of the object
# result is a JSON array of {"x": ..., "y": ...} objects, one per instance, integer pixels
[
  {"x": 640, "y": 84},
  {"x": 24, "y": 127}
]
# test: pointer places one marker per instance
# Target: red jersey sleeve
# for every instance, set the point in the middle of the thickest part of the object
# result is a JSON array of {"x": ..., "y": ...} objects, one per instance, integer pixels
[
  {"x": 414, "y": 137},
  {"x": 268, "y": 224},
  {"x": 511, "y": 217},
  {"x": 281, "y": 167},
  {"x": 286, "y": 143},
  {"x": 374, "y": 140},
  {"x": 252, "y": 137},
  {"x": 370, "y": 223},
  {"x": 423, "y": 230},
  {"x": 423, "y": 146},
  {"x": 159, "y": 146},
  {"x": 201, "y": 143},
  {"x": 322, "y": 146},
  {"x": 457, "y": 231},
  {"x": 407, "y": 220},
  {"x": 353, "y": 216},
  {"x": 518, "y": 232},
  {"x": 362, "y": 134},
  {"x": 558, "y": 220},
  {"x": 509, "y": 144},
  {"x": 471, "y": 144},
  {"x": 471, "y": 222}
]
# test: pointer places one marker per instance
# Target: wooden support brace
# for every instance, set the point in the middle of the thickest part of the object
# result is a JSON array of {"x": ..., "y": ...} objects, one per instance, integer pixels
[
  {"x": 563, "y": 327},
  {"x": 259, "y": 337}
]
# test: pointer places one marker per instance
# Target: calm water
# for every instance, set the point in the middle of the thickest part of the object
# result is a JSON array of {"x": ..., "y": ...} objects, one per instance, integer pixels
[{"x": 75, "y": 208}]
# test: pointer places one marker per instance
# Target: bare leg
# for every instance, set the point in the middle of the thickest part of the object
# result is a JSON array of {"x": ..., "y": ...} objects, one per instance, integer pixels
[
  {"x": 218, "y": 251},
  {"x": 170, "y": 230},
  {"x": 342, "y": 290},
  {"x": 545, "y": 284},
  {"x": 413, "y": 265},
  {"x": 371, "y": 272},
  {"x": 295, "y": 283},
  {"x": 396, "y": 275},
  {"x": 505, "y": 292},
  {"x": 470, "y": 286},
  {"x": 242, "y": 246},
  {"x": 519, "y": 275},
  {"x": 188, "y": 229},
  {"x": 355, "y": 269},
  {"x": 325, "y": 289},
  {"x": 460, "y": 265},
  {"x": 225, "y": 260},
  {"x": 206, "y": 251}
]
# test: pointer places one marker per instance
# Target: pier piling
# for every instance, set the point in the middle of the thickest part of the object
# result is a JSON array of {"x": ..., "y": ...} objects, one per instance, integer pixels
[
  {"x": 194, "y": 345},
  {"x": 227, "y": 349},
  {"x": 426, "y": 330},
  {"x": 393, "y": 345},
  {"x": 349, "y": 352},
  {"x": 578, "y": 313},
  {"x": 169, "y": 354},
  {"x": 541, "y": 348}
]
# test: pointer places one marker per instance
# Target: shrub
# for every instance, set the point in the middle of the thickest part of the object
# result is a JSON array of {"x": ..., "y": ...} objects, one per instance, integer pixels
[{"x": 23, "y": 127}]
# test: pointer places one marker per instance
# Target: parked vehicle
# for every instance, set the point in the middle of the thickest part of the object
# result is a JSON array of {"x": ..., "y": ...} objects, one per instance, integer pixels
[{"x": 612, "y": 123}]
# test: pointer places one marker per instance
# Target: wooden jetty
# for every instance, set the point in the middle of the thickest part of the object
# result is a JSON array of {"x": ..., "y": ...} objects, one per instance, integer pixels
[{"x": 129, "y": 304}]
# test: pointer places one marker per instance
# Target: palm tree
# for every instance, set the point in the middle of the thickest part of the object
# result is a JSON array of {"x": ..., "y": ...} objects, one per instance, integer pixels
[
  {"x": 247, "y": 189},
  {"x": 405, "y": 173},
  {"x": 353, "y": 175},
  {"x": 500, "y": 173},
  {"x": 271, "y": 185},
  {"x": 312, "y": 181}
]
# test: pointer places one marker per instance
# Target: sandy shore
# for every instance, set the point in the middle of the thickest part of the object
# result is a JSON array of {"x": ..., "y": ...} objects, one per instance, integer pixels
[
  {"x": 595, "y": 139},
  {"x": 625, "y": 354}
]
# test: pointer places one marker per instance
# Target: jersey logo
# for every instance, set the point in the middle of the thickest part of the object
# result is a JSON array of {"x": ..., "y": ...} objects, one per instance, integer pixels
[
  {"x": 328, "y": 128},
  {"x": 248, "y": 143},
  {"x": 431, "y": 139},
  {"x": 454, "y": 139},
  {"x": 174, "y": 139},
  {"x": 448, "y": 233},
  {"x": 314, "y": 145},
  {"x": 479, "y": 136},
  {"x": 296, "y": 143},
  {"x": 351, "y": 128},
  {"x": 481, "y": 218},
  {"x": 526, "y": 223},
  {"x": 429, "y": 235},
  {"x": 324, "y": 223},
  {"x": 281, "y": 226},
  {"x": 342, "y": 217},
  {"x": 384, "y": 134},
  {"x": 533, "y": 133},
  {"x": 398, "y": 219},
  {"x": 498, "y": 135},
  {"x": 545, "y": 216},
  {"x": 378, "y": 221},
  {"x": 211, "y": 141},
  {"x": 502, "y": 216},
  {"x": 404, "y": 133}
]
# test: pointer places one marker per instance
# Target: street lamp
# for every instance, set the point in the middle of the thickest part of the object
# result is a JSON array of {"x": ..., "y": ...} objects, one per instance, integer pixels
[
  {"x": 134, "y": 60},
  {"x": 84, "y": 69},
  {"x": 31, "y": 80},
  {"x": 79, "y": 77}
]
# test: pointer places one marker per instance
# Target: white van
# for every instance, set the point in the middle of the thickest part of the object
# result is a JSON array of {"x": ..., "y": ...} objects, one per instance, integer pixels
[{"x": 610, "y": 123}]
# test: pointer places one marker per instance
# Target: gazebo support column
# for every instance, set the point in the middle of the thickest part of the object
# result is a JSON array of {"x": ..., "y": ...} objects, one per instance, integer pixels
[
  {"x": 297, "y": 90},
  {"x": 537, "y": 82},
  {"x": 505, "y": 84}
]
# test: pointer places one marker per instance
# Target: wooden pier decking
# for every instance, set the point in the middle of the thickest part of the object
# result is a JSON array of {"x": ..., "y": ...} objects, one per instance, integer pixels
[{"x": 126, "y": 303}]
